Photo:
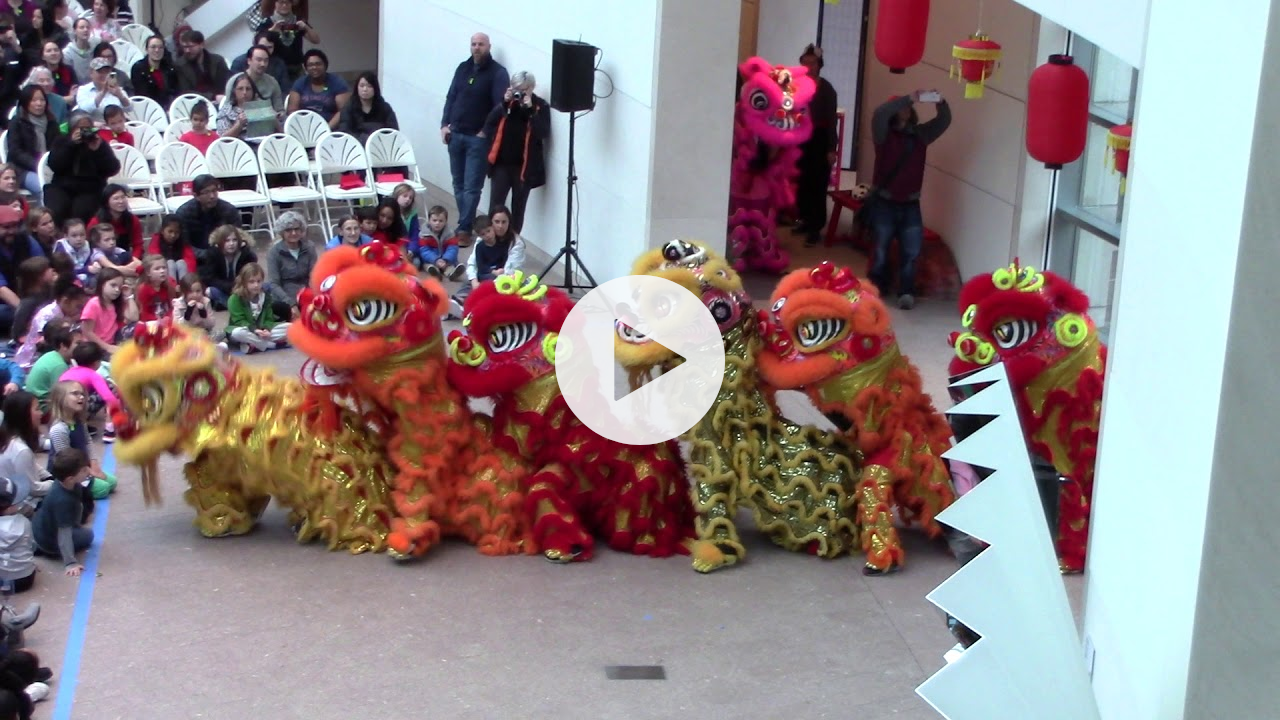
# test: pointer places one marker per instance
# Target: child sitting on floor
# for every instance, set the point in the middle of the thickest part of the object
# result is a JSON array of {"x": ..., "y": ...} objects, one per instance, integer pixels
[
  {"x": 57, "y": 527},
  {"x": 252, "y": 322},
  {"x": 68, "y": 428},
  {"x": 192, "y": 307},
  {"x": 437, "y": 250},
  {"x": 17, "y": 549}
]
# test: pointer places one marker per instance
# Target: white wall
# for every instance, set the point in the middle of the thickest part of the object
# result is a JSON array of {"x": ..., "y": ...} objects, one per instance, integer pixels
[
  {"x": 982, "y": 193},
  {"x": 1162, "y": 411},
  {"x": 1117, "y": 26},
  {"x": 615, "y": 143},
  {"x": 786, "y": 26}
]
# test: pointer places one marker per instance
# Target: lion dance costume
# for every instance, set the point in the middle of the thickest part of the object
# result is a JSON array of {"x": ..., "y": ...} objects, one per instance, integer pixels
[
  {"x": 367, "y": 314},
  {"x": 829, "y": 335},
  {"x": 252, "y": 436},
  {"x": 582, "y": 485},
  {"x": 1037, "y": 324},
  {"x": 770, "y": 124},
  {"x": 797, "y": 480}
]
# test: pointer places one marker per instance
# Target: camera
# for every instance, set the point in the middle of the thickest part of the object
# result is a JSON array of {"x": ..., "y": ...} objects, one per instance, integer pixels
[
  {"x": 517, "y": 95},
  {"x": 86, "y": 133}
]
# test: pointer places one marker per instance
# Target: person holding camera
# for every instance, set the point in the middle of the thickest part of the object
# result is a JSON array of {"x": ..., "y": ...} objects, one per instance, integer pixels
[
  {"x": 81, "y": 163},
  {"x": 517, "y": 129},
  {"x": 102, "y": 90},
  {"x": 901, "y": 142},
  {"x": 288, "y": 30}
]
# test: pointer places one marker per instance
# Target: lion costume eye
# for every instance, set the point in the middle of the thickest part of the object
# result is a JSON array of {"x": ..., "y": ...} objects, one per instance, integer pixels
[
  {"x": 759, "y": 100},
  {"x": 152, "y": 400},
  {"x": 512, "y": 336},
  {"x": 371, "y": 312}
]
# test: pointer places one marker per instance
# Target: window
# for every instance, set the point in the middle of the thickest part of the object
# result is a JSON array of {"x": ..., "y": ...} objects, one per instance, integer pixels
[{"x": 1088, "y": 205}]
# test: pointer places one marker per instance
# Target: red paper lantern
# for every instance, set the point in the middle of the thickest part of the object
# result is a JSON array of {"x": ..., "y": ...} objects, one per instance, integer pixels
[
  {"x": 1057, "y": 112},
  {"x": 901, "y": 26},
  {"x": 976, "y": 60},
  {"x": 1118, "y": 140}
]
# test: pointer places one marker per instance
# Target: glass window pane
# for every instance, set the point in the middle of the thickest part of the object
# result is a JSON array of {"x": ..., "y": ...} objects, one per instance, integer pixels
[
  {"x": 1099, "y": 184},
  {"x": 1093, "y": 270},
  {"x": 1111, "y": 85}
]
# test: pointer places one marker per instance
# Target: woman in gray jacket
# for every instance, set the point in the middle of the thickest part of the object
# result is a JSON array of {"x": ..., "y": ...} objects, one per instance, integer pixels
[{"x": 289, "y": 263}]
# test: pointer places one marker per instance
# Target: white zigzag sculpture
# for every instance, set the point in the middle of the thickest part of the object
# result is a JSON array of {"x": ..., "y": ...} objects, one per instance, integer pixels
[{"x": 1029, "y": 662}]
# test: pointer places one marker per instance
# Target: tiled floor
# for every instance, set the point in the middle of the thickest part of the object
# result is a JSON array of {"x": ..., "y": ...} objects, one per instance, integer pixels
[{"x": 258, "y": 627}]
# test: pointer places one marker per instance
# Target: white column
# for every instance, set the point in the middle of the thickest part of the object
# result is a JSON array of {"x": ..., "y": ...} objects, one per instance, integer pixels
[{"x": 1185, "y": 529}]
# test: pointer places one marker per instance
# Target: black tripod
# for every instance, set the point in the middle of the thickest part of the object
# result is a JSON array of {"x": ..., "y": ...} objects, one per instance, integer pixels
[{"x": 570, "y": 250}]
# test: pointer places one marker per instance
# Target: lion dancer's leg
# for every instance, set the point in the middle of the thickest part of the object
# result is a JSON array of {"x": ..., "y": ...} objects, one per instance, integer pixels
[
  {"x": 643, "y": 506},
  {"x": 488, "y": 508},
  {"x": 1073, "y": 524},
  {"x": 924, "y": 488},
  {"x": 714, "y": 494},
  {"x": 552, "y": 500},
  {"x": 222, "y": 507},
  {"x": 879, "y": 537},
  {"x": 753, "y": 233}
]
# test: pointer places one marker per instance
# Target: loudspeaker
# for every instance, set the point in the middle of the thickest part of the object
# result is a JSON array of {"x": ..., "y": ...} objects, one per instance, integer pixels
[{"x": 573, "y": 75}]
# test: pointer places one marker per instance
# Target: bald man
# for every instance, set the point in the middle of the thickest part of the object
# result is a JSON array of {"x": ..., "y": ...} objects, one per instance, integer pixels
[{"x": 477, "y": 88}]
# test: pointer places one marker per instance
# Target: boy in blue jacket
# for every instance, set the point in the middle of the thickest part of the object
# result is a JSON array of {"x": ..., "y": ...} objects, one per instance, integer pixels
[{"x": 438, "y": 253}]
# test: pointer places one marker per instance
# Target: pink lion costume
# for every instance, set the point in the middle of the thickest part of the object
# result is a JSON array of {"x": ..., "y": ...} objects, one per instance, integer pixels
[{"x": 770, "y": 124}]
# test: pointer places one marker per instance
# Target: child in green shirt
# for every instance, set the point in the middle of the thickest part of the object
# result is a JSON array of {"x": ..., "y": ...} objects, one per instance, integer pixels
[
  {"x": 252, "y": 323},
  {"x": 54, "y": 362}
]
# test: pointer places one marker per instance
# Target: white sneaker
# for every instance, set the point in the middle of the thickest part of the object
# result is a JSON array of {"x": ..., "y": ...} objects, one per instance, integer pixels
[
  {"x": 37, "y": 691},
  {"x": 455, "y": 310}
]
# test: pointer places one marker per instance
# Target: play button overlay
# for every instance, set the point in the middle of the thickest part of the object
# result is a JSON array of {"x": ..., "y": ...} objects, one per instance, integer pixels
[{"x": 642, "y": 311}]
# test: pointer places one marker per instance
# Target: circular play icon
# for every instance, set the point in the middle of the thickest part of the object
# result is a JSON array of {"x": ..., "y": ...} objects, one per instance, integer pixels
[{"x": 639, "y": 310}]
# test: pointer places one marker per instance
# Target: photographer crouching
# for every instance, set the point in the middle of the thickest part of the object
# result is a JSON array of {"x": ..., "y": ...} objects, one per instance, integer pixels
[{"x": 518, "y": 127}]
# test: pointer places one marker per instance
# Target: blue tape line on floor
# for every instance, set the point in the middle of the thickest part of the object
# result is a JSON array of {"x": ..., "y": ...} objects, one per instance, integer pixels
[{"x": 69, "y": 674}]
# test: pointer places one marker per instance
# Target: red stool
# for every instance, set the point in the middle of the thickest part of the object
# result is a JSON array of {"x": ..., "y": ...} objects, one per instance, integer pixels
[{"x": 842, "y": 199}]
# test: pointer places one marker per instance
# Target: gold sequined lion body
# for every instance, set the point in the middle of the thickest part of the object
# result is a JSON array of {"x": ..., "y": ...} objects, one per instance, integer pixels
[
  {"x": 797, "y": 480},
  {"x": 251, "y": 436}
]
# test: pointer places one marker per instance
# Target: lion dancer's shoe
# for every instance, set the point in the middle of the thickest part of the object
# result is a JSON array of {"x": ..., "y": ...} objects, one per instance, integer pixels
[{"x": 583, "y": 486}]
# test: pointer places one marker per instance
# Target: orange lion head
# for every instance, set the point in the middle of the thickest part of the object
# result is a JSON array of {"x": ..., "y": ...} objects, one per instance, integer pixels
[
  {"x": 821, "y": 323},
  {"x": 1022, "y": 317},
  {"x": 366, "y": 305},
  {"x": 510, "y": 332}
]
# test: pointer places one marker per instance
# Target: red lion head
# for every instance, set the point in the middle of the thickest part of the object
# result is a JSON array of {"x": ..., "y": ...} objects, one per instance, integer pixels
[
  {"x": 774, "y": 101},
  {"x": 510, "y": 330},
  {"x": 1022, "y": 317},
  {"x": 365, "y": 305},
  {"x": 821, "y": 323}
]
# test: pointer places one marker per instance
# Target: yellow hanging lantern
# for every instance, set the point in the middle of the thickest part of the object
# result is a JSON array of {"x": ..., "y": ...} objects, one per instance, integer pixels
[{"x": 1118, "y": 140}]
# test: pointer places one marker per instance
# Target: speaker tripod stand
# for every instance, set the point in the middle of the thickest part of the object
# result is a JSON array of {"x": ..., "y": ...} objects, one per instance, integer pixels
[{"x": 569, "y": 252}]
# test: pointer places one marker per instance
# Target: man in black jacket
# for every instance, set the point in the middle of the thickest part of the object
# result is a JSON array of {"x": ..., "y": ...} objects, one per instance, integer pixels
[
  {"x": 200, "y": 71},
  {"x": 206, "y": 213},
  {"x": 478, "y": 86},
  {"x": 819, "y": 153}
]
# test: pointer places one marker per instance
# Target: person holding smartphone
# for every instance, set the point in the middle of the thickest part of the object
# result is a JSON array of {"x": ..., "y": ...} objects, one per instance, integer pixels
[
  {"x": 81, "y": 163},
  {"x": 102, "y": 90},
  {"x": 901, "y": 142}
]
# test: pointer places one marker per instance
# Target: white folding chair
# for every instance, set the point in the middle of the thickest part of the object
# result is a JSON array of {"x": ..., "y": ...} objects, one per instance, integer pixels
[
  {"x": 178, "y": 163},
  {"x": 135, "y": 174},
  {"x": 147, "y": 139},
  {"x": 281, "y": 154},
  {"x": 176, "y": 130},
  {"x": 388, "y": 148},
  {"x": 137, "y": 35},
  {"x": 144, "y": 109},
  {"x": 180, "y": 108},
  {"x": 233, "y": 158},
  {"x": 307, "y": 128},
  {"x": 42, "y": 169},
  {"x": 126, "y": 54},
  {"x": 340, "y": 153}
]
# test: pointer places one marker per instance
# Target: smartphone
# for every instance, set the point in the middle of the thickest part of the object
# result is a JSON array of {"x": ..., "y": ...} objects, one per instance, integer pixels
[{"x": 931, "y": 96}]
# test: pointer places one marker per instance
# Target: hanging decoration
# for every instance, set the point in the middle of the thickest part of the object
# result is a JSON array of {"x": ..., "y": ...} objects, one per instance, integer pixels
[
  {"x": 901, "y": 27},
  {"x": 1057, "y": 112},
  {"x": 976, "y": 59},
  {"x": 1118, "y": 139}
]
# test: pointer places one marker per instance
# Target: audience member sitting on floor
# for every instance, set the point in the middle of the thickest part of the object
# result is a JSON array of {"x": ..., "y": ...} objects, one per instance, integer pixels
[
  {"x": 108, "y": 255},
  {"x": 102, "y": 90},
  {"x": 368, "y": 217},
  {"x": 81, "y": 164},
  {"x": 35, "y": 287},
  {"x": 55, "y": 358},
  {"x": 155, "y": 76},
  {"x": 109, "y": 317},
  {"x": 207, "y": 213},
  {"x": 15, "y": 246},
  {"x": 69, "y": 299},
  {"x": 168, "y": 243},
  {"x": 437, "y": 249},
  {"x": 192, "y": 307},
  {"x": 199, "y": 136},
  {"x": 156, "y": 291},
  {"x": 115, "y": 212},
  {"x": 252, "y": 321},
  {"x": 499, "y": 252},
  {"x": 17, "y": 549},
  {"x": 349, "y": 233},
  {"x": 10, "y": 191},
  {"x": 221, "y": 264},
  {"x": 289, "y": 264},
  {"x": 12, "y": 375},
  {"x": 407, "y": 198},
  {"x": 58, "y": 525},
  {"x": 22, "y": 680},
  {"x": 275, "y": 66},
  {"x": 200, "y": 71},
  {"x": 319, "y": 91},
  {"x": 75, "y": 245},
  {"x": 69, "y": 428},
  {"x": 391, "y": 228},
  {"x": 87, "y": 370},
  {"x": 368, "y": 111},
  {"x": 31, "y": 134},
  {"x": 19, "y": 439},
  {"x": 42, "y": 227},
  {"x": 114, "y": 128}
]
